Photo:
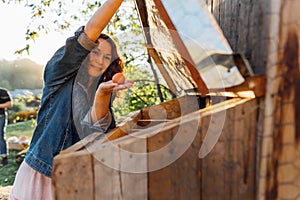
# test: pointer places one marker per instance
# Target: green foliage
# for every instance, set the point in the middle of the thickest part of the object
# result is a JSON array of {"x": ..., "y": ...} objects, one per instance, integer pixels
[
  {"x": 23, "y": 109},
  {"x": 22, "y": 116},
  {"x": 142, "y": 94},
  {"x": 17, "y": 106}
]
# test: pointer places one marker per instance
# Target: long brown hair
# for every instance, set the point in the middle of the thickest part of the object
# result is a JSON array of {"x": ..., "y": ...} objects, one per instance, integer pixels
[{"x": 115, "y": 66}]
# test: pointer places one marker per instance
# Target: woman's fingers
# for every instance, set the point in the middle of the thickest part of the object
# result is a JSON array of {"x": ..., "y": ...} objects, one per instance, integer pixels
[
  {"x": 127, "y": 84},
  {"x": 109, "y": 86},
  {"x": 106, "y": 88}
]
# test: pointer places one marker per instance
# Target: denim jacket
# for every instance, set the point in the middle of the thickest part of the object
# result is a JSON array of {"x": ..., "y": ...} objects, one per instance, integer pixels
[{"x": 55, "y": 128}]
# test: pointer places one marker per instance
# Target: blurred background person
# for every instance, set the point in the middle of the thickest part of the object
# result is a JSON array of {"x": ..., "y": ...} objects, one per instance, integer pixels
[{"x": 5, "y": 101}]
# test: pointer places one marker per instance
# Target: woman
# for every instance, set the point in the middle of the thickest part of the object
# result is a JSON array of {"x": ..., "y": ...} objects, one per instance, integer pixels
[
  {"x": 86, "y": 86},
  {"x": 78, "y": 78}
]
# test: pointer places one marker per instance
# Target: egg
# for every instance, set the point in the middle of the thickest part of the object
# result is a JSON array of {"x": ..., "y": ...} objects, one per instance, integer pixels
[{"x": 118, "y": 78}]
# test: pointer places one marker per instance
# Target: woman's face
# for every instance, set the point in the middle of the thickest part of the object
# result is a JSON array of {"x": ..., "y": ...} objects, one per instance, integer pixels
[{"x": 100, "y": 58}]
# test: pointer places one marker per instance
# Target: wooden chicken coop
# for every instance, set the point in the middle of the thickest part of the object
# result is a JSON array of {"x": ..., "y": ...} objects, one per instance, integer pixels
[{"x": 232, "y": 132}]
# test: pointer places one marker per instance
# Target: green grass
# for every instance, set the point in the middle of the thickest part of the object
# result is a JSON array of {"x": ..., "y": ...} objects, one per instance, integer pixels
[
  {"x": 22, "y": 128},
  {"x": 8, "y": 172}
]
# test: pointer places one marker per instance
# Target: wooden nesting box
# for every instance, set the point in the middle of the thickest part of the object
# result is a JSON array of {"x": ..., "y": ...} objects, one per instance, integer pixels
[
  {"x": 200, "y": 145},
  {"x": 182, "y": 152}
]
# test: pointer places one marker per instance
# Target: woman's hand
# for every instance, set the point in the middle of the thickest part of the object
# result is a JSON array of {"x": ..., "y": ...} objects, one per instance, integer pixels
[
  {"x": 106, "y": 88},
  {"x": 102, "y": 98},
  {"x": 127, "y": 84}
]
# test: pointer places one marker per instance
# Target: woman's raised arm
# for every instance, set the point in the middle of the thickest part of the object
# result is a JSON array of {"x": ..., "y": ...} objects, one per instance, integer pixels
[{"x": 100, "y": 19}]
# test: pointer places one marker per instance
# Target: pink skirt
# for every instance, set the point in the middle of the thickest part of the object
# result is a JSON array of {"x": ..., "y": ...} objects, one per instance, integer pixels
[{"x": 30, "y": 184}]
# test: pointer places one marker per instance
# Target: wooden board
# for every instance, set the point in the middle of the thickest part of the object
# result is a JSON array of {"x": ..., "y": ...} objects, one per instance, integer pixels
[
  {"x": 245, "y": 25},
  {"x": 73, "y": 176}
]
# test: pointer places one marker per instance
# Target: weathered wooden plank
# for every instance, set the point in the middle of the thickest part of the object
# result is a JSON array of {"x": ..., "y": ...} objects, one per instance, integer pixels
[
  {"x": 120, "y": 170},
  {"x": 253, "y": 87},
  {"x": 215, "y": 8},
  {"x": 231, "y": 166},
  {"x": 134, "y": 169},
  {"x": 244, "y": 150},
  {"x": 245, "y": 24},
  {"x": 212, "y": 165},
  {"x": 180, "y": 178},
  {"x": 73, "y": 176},
  {"x": 82, "y": 143},
  {"x": 173, "y": 162},
  {"x": 107, "y": 184}
]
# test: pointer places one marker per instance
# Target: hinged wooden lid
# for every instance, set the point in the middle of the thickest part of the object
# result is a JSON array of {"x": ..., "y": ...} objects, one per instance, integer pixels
[{"x": 190, "y": 49}]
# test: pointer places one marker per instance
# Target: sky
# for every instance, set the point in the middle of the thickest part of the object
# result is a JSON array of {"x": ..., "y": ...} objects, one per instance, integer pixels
[{"x": 13, "y": 23}]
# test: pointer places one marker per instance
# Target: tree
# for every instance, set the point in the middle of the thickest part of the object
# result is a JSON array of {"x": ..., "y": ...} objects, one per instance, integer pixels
[{"x": 21, "y": 74}]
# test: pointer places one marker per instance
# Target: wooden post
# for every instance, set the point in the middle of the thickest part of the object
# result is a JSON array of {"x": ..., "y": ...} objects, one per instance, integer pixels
[{"x": 279, "y": 174}]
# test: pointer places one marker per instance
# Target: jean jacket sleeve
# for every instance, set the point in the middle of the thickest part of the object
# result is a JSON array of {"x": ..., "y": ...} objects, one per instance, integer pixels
[{"x": 66, "y": 61}]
